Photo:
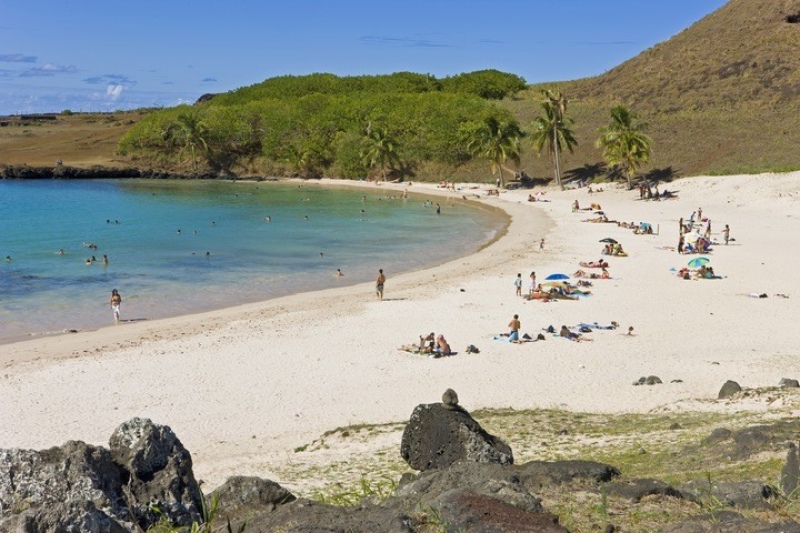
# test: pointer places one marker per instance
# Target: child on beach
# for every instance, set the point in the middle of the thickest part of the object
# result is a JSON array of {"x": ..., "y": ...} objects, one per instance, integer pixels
[{"x": 518, "y": 285}]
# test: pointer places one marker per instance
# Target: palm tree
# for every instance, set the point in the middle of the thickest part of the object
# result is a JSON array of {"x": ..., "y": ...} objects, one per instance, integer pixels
[
  {"x": 380, "y": 150},
  {"x": 190, "y": 132},
  {"x": 624, "y": 143},
  {"x": 553, "y": 130},
  {"x": 495, "y": 141}
]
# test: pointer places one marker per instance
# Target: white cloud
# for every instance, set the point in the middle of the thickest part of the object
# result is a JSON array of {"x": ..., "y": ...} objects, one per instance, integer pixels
[{"x": 114, "y": 91}]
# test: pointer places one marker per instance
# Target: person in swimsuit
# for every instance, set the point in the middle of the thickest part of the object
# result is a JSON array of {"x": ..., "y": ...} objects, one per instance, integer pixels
[
  {"x": 513, "y": 327},
  {"x": 379, "y": 284},
  {"x": 116, "y": 301}
]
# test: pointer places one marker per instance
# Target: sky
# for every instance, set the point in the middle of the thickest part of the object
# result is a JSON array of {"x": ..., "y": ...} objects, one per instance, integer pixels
[{"x": 110, "y": 55}]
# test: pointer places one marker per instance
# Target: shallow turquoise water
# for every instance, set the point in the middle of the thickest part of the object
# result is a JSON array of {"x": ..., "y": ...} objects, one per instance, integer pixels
[{"x": 180, "y": 247}]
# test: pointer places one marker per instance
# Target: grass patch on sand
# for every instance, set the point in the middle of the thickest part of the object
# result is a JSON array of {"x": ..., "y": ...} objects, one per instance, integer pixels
[{"x": 350, "y": 464}]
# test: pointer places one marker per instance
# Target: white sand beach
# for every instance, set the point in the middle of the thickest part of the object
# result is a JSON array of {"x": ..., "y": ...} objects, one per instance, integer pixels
[{"x": 243, "y": 387}]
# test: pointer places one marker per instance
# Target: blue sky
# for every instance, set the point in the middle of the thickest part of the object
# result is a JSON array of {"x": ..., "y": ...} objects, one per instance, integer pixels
[{"x": 91, "y": 55}]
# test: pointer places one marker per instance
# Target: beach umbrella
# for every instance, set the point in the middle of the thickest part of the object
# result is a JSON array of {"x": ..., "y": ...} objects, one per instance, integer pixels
[
  {"x": 697, "y": 262},
  {"x": 609, "y": 240},
  {"x": 691, "y": 236},
  {"x": 556, "y": 277},
  {"x": 645, "y": 225}
]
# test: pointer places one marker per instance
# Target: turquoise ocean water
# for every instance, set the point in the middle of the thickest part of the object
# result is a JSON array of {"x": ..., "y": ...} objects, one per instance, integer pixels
[{"x": 181, "y": 247}]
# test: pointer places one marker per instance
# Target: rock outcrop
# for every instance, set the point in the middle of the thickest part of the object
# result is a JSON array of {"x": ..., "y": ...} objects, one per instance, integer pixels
[
  {"x": 156, "y": 468},
  {"x": 440, "y": 434},
  {"x": 78, "y": 487}
]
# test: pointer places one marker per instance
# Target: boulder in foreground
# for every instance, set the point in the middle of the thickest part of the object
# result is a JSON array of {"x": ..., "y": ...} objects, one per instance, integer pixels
[{"x": 440, "y": 434}]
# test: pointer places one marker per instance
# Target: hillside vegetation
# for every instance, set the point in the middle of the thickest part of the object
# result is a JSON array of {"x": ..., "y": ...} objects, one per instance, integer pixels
[{"x": 720, "y": 97}]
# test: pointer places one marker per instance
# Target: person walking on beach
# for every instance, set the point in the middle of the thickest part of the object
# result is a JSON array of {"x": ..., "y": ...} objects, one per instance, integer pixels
[
  {"x": 116, "y": 301},
  {"x": 726, "y": 233},
  {"x": 379, "y": 284},
  {"x": 518, "y": 285},
  {"x": 541, "y": 245}
]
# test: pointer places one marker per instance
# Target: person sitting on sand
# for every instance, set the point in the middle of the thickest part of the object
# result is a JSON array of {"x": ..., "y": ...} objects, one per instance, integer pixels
[
  {"x": 604, "y": 274},
  {"x": 513, "y": 329},
  {"x": 577, "y": 337},
  {"x": 442, "y": 347}
]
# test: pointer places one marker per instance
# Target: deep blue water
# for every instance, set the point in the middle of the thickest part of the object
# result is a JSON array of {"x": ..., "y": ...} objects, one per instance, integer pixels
[{"x": 181, "y": 247}]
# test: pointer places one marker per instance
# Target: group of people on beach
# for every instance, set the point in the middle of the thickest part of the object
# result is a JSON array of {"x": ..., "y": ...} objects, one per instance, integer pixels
[{"x": 695, "y": 235}]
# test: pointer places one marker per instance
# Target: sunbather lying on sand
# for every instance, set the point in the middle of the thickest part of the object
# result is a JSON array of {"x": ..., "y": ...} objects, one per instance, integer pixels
[
  {"x": 594, "y": 264},
  {"x": 577, "y": 337},
  {"x": 539, "y": 294}
]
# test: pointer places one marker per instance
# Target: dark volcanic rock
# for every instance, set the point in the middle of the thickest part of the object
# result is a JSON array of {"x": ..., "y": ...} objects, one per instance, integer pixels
[
  {"x": 241, "y": 494},
  {"x": 512, "y": 484},
  {"x": 72, "y": 488},
  {"x": 742, "y": 494},
  {"x": 729, "y": 389},
  {"x": 729, "y": 522},
  {"x": 471, "y": 512},
  {"x": 305, "y": 516},
  {"x": 436, "y": 437},
  {"x": 540, "y": 473},
  {"x": 636, "y": 489},
  {"x": 790, "y": 473},
  {"x": 157, "y": 468}
]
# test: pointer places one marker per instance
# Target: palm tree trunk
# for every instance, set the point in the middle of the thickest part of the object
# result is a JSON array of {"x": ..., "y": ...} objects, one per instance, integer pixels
[{"x": 557, "y": 160}]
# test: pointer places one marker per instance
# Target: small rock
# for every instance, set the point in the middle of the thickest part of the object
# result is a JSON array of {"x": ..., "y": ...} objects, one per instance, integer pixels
[
  {"x": 450, "y": 399},
  {"x": 786, "y": 382},
  {"x": 729, "y": 389}
]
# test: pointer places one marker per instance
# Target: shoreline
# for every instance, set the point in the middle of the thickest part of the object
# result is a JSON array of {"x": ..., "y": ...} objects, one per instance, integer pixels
[
  {"x": 66, "y": 325},
  {"x": 243, "y": 387}
]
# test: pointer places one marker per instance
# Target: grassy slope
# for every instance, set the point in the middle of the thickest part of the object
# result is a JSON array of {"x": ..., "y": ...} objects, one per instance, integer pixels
[{"x": 80, "y": 140}]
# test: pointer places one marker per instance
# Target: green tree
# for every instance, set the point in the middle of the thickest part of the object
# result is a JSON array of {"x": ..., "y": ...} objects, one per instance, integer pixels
[
  {"x": 189, "y": 131},
  {"x": 380, "y": 150},
  {"x": 496, "y": 141},
  {"x": 553, "y": 130},
  {"x": 624, "y": 142}
]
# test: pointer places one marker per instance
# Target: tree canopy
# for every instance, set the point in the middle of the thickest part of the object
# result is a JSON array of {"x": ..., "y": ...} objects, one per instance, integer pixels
[
  {"x": 314, "y": 125},
  {"x": 624, "y": 142}
]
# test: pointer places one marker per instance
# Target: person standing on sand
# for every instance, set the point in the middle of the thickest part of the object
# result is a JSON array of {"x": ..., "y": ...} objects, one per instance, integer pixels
[
  {"x": 532, "y": 286},
  {"x": 116, "y": 301},
  {"x": 541, "y": 245},
  {"x": 379, "y": 284},
  {"x": 518, "y": 285},
  {"x": 726, "y": 233}
]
